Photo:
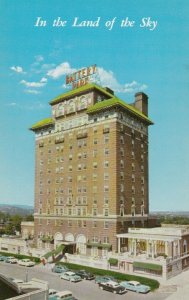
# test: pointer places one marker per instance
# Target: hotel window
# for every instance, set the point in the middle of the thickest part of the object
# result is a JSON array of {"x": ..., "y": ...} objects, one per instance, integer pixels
[
  {"x": 61, "y": 179},
  {"x": 142, "y": 180},
  {"x": 133, "y": 143},
  {"x": 133, "y": 190},
  {"x": 61, "y": 211},
  {"x": 95, "y": 165},
  {"x": 95, "y": 153},
  {"x": 70, "y": 168},
  {"x": 132, "y": 155},
  {"x": 106, "y": 240},
  {"x": 122, "y": 211},
  {"x": 95, "y": 130},
  {"x": 61, "y": 169},
  {"x": 40, "y": 222},
  {"x": 40, "y": 211},
  {"x": 121, "y": 175},
  {"x": 133, "y": 178},
  {"x": 49, "y": 151},
  {"x": 133, "y": 211},
  {"x": 142, "y": 157},
  {"x": 94, "y": 239},
  {"x": 84, "y": 166},
  {"x": 84, "y": 189},
  {"x": 84, "y": 178},
  {"x": 106, "y": 138},
  {"x": 79, "y": 223},
  {"x": 106, "y": 212},
  {"x": 106, "y": 200},
  {"x": 122, "y": 152},
  {"x": 79, "y": 155},
  {"x": 142, "y": 210},
  {"x": 69, "y": 223},
  {"x": 94, "y": 177},
  {"x": 122, "y": 164},
  {"x": 106, "y": 164},
  {"x": 106, "y": 151},
  {"x": 69, "y": 211},
  {"x": 79, "y": 167},
  {"x": 79, "y": 211},
  {"x": 79, "y": 189},
  {"x": 133, "y": 167},
  {"x": 57, "y": 160},
  {"x": 142, "y": 191},
  {"x": 121, "y": 139},
  {"x": 84, "y": 155},
  {"x": 79, "y": 143},
  {"x": 122, "y": 187},
  {"x": 49, "y": 160},
  {"x": 94, "y": 200},
  {"x": 70, "y": 157},
  {"x": 94, "y": 212},
  {"x": 106, "y": 176},
  {"x": 62, "y": 148},
  {"x": 84, "y": 200},
  {"x": 84, "y": 224},
  {"x": 95, "y": 141},
  {"x": 142, "y": 168},
  {"x": 94, "y": 224},
  {"x": 106, "y": 225},
  {"x": 106, "y": 188},
  {"x": 133, "y": 201},
  {"x": 121, "y": 200},
  {"x": 69, "y": 178},
  {"x": 142, "y": 146}
]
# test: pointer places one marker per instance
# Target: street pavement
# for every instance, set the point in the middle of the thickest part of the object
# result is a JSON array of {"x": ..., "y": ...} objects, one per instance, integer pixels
[{"x": 83, "y": 290}]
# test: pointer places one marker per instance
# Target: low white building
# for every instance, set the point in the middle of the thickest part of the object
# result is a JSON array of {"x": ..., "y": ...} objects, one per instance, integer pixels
[{"x": 161, "y": 251}]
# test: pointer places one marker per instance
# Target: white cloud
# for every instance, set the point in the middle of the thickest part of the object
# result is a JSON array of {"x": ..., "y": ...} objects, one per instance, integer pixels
[
  {"x": 43, "y": 79},
  {"x": 60, "y": 70},
  {"x": 39, "y": 58},
  {"x": 17, "y": 69},
  {"x": 32, "y": 91},
  {"x": 33, "y": 84},
  {"x": 107, "y": 78}
]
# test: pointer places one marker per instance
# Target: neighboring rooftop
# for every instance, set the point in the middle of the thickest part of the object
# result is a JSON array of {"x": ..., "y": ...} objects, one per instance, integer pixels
[{"x": 43, "y": 123}]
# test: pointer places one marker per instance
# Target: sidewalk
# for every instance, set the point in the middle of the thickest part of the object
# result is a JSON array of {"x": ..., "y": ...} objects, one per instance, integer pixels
[{"x": 180, "y": 281}]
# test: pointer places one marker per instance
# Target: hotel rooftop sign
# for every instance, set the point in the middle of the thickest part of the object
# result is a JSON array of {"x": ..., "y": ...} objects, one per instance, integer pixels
[{"x": 81, "y": 77}]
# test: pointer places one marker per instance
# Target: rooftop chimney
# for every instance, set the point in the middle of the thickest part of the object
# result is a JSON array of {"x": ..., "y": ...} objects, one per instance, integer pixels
[{"x": 141, "y": 103}]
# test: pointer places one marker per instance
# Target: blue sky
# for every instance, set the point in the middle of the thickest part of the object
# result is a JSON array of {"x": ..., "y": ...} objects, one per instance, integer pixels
[{"x": 34, "y": 60}]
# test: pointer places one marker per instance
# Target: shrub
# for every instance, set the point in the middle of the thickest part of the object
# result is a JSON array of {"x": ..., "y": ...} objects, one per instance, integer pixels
[
  {"x": 20, "y": 256},
  {"x": 113, "y": 261},
  {"x": 154, "y": 284}
]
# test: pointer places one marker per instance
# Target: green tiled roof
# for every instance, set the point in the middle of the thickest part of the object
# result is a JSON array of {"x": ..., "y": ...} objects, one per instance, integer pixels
[
  {"x": 116, "y": 102},
  {"x": 42, "y": 123},
  {"x": 79, "y": 90}
]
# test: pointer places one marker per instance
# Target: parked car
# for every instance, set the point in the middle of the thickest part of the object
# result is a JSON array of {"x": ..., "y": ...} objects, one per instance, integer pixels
[
  {"x": 11, "y": 260},
  {"x": 135, "y": 286},
  {"x": 85, "y": 275},
  {"x": 60, "y": 269},
  {"x": 64, "y": 295},
  {"x": 26, "y": 262},
  {"x": 52, "y": 294},
  {"x": 100, "y": 279},
  {"x": 70, "y": 276},
  {"x": 112, "y": 286},
  {"x": 3, "y": 258}
]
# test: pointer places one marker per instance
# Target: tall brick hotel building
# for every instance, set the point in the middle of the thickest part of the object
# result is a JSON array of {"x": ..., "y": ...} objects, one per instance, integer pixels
[{"x": 91, "y": 174}]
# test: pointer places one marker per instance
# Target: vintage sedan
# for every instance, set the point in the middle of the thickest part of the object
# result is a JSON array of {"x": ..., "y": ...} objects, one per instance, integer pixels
[
  {"x": 135, "y": 286},
  {"x": 3, "y": 258},
  {"x": 112, "y": 286},
  {"x": 11, "y": 260},
  {"x": 26, "y": 262},
  {"x": 66, "y": 295},
  {"x": 70, "y": 276},
  {"x": 60, "y": 269},
  {"x": 100, "y": 279},
  {"x": 85, "y": 275}
]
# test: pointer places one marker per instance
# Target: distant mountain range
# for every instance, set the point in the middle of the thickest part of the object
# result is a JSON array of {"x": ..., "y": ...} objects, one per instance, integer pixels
[
  {"x": 17, "y": 209},
  {"x": 171, "y": 213}
]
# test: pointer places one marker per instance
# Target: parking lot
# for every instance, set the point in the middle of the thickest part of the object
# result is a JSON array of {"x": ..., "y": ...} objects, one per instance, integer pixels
[{"x": 83, "y": 290}]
